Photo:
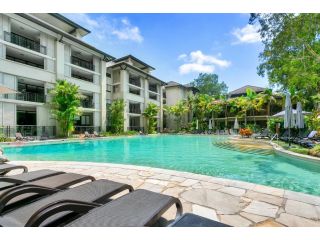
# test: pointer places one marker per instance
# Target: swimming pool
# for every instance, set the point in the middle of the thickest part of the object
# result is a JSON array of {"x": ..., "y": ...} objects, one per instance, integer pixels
[{"x": 189, "y": 153}]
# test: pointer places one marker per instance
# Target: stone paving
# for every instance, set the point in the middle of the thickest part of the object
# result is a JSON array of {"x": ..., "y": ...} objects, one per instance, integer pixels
[{"x": 232, "y": 202}]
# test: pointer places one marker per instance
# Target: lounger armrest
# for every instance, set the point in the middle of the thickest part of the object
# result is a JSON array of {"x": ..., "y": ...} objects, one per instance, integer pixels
[
  {"x": 14, "y": 167},
  {"x": 11, "y": 180},
  {"x": 11, "y": 193},
  {"x": 59, "y": 206}
]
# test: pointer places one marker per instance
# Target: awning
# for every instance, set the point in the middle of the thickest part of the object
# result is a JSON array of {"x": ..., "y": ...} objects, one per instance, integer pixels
[{"x": 294, "y": 111}]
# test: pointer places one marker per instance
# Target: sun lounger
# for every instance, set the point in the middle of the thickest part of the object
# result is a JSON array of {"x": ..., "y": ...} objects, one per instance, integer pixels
[
  {"x": 19, "y": 137},
  {"x": 96, "y": 192},
  {"x": 193, "y": 220},
  {"x": 137, "y": 209},
  {"x": 10, "y": 181},
  {"x": 96, "y": 134},
  {"x": 5, "y": 168},
  {"x": 264, "y": 134},
  {"x": 15, "y": 196}
]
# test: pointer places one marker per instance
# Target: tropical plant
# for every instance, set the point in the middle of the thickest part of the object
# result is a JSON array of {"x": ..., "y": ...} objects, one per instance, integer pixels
[
  {"x": 202, "y": 108},
  {"x": 116, "y": 111},
  {"x": 177, "y": 111},
  {"x": 65, "y": 105},
  {"x": 266, "y": 97},
  {"x": 150, "y": 113}
]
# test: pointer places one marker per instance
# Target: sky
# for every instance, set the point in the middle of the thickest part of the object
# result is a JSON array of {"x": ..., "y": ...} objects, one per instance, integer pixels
[{"x": 180, "y": 46}]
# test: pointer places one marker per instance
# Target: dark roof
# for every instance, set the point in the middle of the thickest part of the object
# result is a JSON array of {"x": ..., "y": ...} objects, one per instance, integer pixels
[
  {"x": 242, "y": 90},
  {"x": 139, "y": 70},
  {"x": 68, "y": 21},
  {"x": 135, "y": 59},
  {"x": 106, "y": 56},
  {"x": 173, "y": 84}
]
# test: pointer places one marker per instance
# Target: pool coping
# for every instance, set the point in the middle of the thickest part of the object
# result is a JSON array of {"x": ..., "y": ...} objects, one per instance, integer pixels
[{"x": 233, "y": 202}]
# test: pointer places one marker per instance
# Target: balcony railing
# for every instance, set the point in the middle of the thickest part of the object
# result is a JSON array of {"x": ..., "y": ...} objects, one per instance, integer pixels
[
  {"x": 136, "y": 128},
  {"x": 42, "y": 132},
  {"x": 24, "y": 42},
  {"x": 82, "y": 63},
  {"x": 87, "y": 104},
  {"x": 135, "y": 81},
  {"x": 154, "y": 97},
  {"x": 83, "y": 129},
  {"x": 153, "y": 88},
  {"x": 134, "y": 109},
  {"x": 81, "y": 77},
  {"x": 26, "y": 96}
]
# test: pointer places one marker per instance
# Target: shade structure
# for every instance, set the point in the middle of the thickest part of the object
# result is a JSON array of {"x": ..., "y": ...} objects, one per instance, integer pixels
[
  {"x": 6, "y": 90},
  {"x": 299, "y": 116},
  {"x": 210, "y": 124},
  {"x": 288, "y": 112},
  {"x": 236, "y": 124},
  {"x": 294, "y": 111},
  {"x": 197, "y": 124}
]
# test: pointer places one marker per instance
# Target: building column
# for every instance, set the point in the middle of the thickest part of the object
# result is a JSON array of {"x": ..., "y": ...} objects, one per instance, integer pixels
[
  {"x": 5, "y": 25},
  {"x": 60, "y": 59},
  {"x": 124, "y": 90},
  {"x": 103, "y": 96},
  {"x": 146, "y": 101}
]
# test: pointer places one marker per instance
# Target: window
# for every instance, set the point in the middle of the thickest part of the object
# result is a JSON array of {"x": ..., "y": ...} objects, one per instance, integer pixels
[
  {"x": 116, "y": 88},
  {"x": 108, "y": 75},
  {"x": 134, "y": 91}
]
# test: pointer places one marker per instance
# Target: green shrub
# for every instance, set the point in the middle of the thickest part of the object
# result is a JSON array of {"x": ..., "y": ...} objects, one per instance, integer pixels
[
  {"x": 300, "y": 150},
  {"x": 4, "y": 138},
  {"x": 315, "y": 151}
]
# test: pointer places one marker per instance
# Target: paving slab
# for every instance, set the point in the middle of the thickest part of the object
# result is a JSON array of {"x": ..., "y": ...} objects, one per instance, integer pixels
[
  {"x": 233, "y": 191},
  {"x": 301, "y": 209},
  {"x": 275, "y": 200},
  {"x": 295, "y": 221},
  {"x": 205, "y": 212},
  {"x": 262, "y": 209},
  {"x": 235, "y": 220}
]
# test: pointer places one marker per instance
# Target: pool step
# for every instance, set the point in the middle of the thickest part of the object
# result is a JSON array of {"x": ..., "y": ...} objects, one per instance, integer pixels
[{"x": 245, "y": 149}]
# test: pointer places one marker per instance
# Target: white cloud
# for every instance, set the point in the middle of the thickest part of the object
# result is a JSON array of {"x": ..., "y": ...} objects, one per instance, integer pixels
[
  {"x": 247, "y": 34},
  {"x": 201, "y": 63},
  {"x": 103, "y": 28}
]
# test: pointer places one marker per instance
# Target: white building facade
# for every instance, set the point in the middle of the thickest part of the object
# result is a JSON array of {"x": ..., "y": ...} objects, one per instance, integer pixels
[{"x": 38, "y": 49}]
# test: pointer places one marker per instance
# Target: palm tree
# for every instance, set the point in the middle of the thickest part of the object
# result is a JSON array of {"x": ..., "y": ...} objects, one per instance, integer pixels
[
  {"x": 178, "y": 110},
  {"x": 150, "y": 113},
  {"x": 251, "y": 97},
  {"x": 117, "y": 115},
  {"x": 266, "y": 97},
  {"x": 224, "y": 104},
  {"x": 316, "y": 101},
  {"x": 65, "y": 105}
]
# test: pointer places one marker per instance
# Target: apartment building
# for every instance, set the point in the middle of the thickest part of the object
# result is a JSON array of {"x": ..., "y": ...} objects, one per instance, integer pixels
[
  {"x": 130, "y": 79},
  {"x": 35, "y": 51},
  {"x": 173, "y": 93}
]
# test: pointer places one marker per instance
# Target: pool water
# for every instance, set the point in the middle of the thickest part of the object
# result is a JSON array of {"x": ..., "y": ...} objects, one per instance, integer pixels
[{"x": 196, "y": 154}]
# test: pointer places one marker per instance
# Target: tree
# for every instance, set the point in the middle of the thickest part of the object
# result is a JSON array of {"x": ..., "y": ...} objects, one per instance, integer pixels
[
  {"x": 291, "y": 55},
  {"x": 266, "y": 97},
  {"x": 209, "y": 84},
  {"x": 65, "y": 105},
  {"x": 178, "y": 111},
  {"x": 150, "y": 113},
  {"x": 202, "y": 108},
  {"x": 117, "y": 116}
]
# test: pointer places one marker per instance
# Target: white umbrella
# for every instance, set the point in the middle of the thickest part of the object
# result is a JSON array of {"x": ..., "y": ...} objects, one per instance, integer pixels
[
  {"x": 210, "y": 124},
  {"x": 236, "y": 124},
  {"x": 288, "y": 112},
  {"x": 6, "y": 90},
  {"x": 299, "y": 116},
  {"x": 197, "y": 124},
  {"x": 294, "y": 111}
]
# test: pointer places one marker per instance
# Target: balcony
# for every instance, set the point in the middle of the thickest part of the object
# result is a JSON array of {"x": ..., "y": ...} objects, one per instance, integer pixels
[
  {"x": 24, "y": 42},
  {"x": 27, "y": 96},
  {"x": 82, "y": 77},
  {"x": 134, "y": 108},
  {"x": 135, "y": 81},
  {"x": 87, "y": 103},
  {"x": 82, "y": 63},
  {"x": 153, "y": 88},
  {"x": 153, "y": 96}
]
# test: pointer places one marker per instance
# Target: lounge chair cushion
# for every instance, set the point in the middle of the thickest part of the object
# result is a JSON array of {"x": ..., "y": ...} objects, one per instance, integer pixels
[
  {"x": 98, "y": 191},
  {"x": 192, "y": 220}
]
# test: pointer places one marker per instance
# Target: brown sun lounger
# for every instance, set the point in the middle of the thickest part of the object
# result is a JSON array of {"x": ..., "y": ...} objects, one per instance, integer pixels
[
  {"x": 16, "y": 196},
  {"x": 10, "y": 181},
  {"x": 99, "y": 191},
  {"x": 137, "y": 209},
  {"x": 5, "y": 168}
]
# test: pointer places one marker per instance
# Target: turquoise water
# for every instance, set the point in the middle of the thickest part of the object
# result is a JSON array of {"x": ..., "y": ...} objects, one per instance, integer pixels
[{"x": 195, "y": 154}]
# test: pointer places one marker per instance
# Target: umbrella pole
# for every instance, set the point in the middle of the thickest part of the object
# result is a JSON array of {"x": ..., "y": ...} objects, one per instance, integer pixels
[{"x": 289, "y": 138}]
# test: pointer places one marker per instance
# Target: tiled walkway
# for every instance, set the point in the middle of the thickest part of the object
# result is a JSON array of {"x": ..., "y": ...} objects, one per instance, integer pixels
[{"x": 232, "y": 202}]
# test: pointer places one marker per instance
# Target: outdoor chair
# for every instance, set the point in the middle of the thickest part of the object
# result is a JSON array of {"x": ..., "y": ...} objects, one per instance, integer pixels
[
  {"x": 96, "y": 192},
  {"x": 309, "y": 141},
  {"x": 139, "y": 208},
  {"x": 11, "y": 181},
  {"x": 6, "y": 168},
  {"x": 263, "y": 134},
  {"x": 193, "y": 220},
  {"x": 96, "y": 134},
  {"x": 19, "y": 137},
  {"x": 44, "y": 136},
  {"x": 15, "y": 196}
]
